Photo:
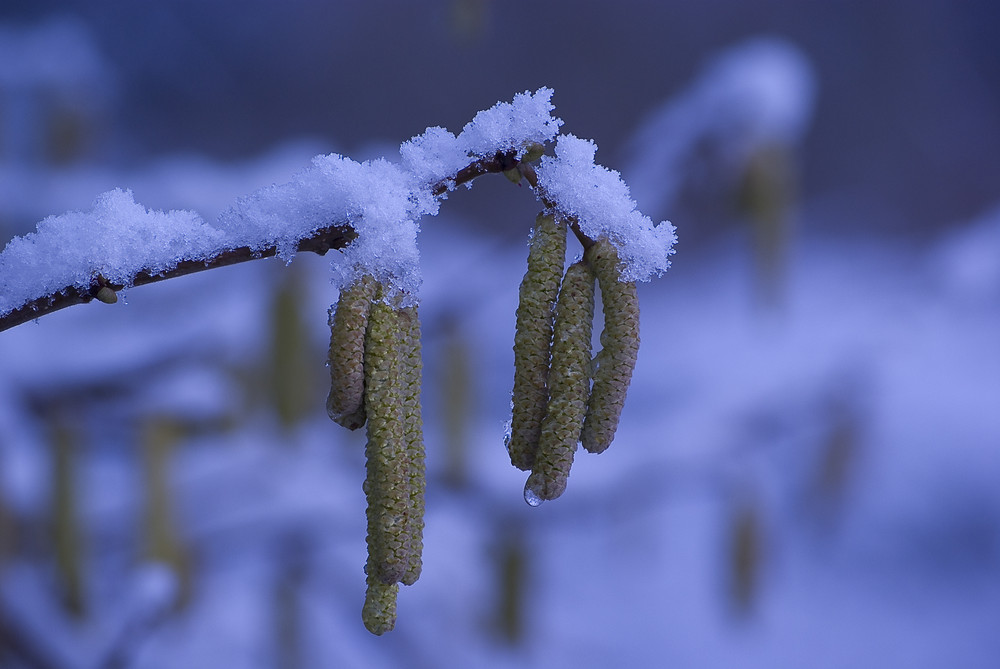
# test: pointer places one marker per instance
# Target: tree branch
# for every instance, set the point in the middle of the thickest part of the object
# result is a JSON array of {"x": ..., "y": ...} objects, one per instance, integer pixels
[{"x": 336, "y": 236}]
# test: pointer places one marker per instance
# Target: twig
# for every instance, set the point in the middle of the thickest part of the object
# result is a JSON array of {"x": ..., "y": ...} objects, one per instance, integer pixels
[{"x": 336, "y": 236}]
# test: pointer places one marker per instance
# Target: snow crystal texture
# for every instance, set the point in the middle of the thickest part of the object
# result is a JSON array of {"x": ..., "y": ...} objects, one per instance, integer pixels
[
  {"x": 599, "y": 199},
  {"x": 116, "y": 239}
]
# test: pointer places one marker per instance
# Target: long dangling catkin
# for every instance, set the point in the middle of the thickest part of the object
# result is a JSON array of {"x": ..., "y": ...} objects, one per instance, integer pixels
[
  {"x": 348, "y": 323},
  {"x": 387, "y": 485},
  {"x": 413, "y": 436},
  {"x": 620, "y": 346},
  {"x": 569, "y": 385},
  {"x": 538, "y": 292}
]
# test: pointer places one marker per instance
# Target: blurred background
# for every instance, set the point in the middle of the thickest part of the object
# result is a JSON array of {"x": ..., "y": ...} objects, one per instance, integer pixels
[{"x": 805, "y": 474}]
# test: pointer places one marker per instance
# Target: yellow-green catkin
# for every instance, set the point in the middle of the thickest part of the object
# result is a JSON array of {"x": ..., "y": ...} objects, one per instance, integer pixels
[
  {"x": 569, "y": 385},
  {"x": 532, "y": 338},
  {"x": 387, "y": 484},
  {"x": 379, "y": 610},
  {"x": 413, "y": 435},
  {"x": 348, "y": 324},
  {"x": 620, "y": 346}
]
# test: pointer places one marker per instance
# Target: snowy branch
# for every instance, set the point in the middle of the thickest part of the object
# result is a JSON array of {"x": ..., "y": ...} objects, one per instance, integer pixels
[
  {"x": 336, "y": 236},
  {"x": 369, "y": 211}
]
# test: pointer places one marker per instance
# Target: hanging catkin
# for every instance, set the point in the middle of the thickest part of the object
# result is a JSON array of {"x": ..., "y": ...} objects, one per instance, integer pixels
[
  {"x": 375, "y": 370},
  {"x": 532, "y": 337},
  {"x": 348, "y": 323},
  {"x": 413, "y": 436},
  {"x": 569, "y": 385},
  {"x": 620, "y": 346},
  {"x": 387, "y": 485}
]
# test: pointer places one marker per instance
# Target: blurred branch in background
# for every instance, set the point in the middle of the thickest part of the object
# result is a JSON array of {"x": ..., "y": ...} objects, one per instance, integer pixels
[
  {"x": 67, "y": 531},
  {"x": 458, "y": 400},
  {"x": 766, "y": 197},
  {"x": 512, "y": 564},
  {"x": 162, "y": 544},
  {"x": 292, "y": 379},
  {"x": 745, "y": 552}
]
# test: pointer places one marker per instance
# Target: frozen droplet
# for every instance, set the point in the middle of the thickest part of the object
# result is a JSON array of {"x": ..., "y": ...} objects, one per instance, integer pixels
[
  {"x": 506, "y": 435},
  {"x": 531, "y": 495}
]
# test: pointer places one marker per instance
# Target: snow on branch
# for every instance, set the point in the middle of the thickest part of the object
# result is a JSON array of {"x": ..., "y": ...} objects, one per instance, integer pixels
[
  {"x": 369, "y": 211},
  {"x": 599, "y": 202}
]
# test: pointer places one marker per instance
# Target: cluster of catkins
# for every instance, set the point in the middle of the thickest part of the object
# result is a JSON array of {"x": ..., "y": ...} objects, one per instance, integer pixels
[
  {"x": 375, "y": 369},
  {"x": 562, "y": 397},
  {"x": 555, "y": 405}
]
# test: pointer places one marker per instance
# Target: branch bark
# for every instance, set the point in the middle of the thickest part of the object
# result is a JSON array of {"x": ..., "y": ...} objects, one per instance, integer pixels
[{"x": 336, "y": 236}]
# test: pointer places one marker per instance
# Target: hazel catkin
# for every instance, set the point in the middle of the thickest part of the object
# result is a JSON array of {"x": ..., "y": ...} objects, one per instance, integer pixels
[
  {"x": 413, "y": 437},
  {"x": 348, "y": 323},
  {"x": 619, "y": 348},
  {"x": 569, "y": 385},
  {"x": 533, "y": 335},
  {"x": 387, "y": 484}
]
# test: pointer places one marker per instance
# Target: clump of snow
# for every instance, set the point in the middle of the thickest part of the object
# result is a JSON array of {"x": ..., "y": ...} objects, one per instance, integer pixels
[
  {"x": 601, "y": 202},
  {"x": 506, "y": 126},
  {"x": 437, "y": 153},
  {"x": 117, "y": 239},
  {"x": 376, "y": 198}
]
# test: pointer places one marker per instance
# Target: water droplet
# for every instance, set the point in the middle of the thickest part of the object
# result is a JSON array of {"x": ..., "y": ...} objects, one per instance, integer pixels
[{"x": 531, "y": 495}]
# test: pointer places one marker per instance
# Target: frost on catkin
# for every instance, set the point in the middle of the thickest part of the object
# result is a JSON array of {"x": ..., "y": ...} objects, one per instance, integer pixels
[
  {"x": 413, "y": 436},
  {"x": 569, "y": 384},
  {"x": 538, "y": 293},
  {"x": 387, "y": 484},
  {"x": 348, "y": 323},
  {"x": 620, "y": 346}
]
